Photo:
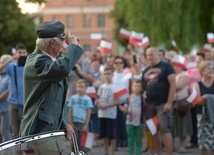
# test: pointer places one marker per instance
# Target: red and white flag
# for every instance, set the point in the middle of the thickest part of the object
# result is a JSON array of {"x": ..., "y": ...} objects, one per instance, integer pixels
[
  {"x": 180, "y": 61},
  {"x": 125, "y": 33},
  {"x": 91, "y": 92},
  {"x": 210, "y": 37},
  {"x": 128, "y": 74},
  {"x": 135, "y": 38},
  {"x": 119, "y": 91},
  {"x": 87, "y": 139},
  {"x": 13, "y": 51},
  {"x": 96, "y": 37},
  {"x": 194, "y": 97},
  {"x": 174, "y": 44},
  {"x": 105, "y": 46},
  {"x": 64, "y": 47},
  {"x": 144, "y": 43},
  {"x": 152, "y": 124},
  {"x": 206, "y": 47}
]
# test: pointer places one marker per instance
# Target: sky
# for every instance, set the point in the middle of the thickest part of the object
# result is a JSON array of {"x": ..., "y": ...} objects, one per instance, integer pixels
[{"x": 27, "y": 7}]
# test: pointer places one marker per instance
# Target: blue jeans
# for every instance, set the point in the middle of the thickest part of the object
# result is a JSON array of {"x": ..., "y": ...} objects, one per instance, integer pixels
[{"x": 5, "y": 126}]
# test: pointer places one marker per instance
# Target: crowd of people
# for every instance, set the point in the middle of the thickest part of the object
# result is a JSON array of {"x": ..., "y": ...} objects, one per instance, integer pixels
[{"x": 156, "y": 82}]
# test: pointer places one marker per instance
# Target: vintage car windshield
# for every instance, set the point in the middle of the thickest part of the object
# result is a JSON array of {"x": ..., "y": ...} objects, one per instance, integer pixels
[{"x": 49, "y": 143}]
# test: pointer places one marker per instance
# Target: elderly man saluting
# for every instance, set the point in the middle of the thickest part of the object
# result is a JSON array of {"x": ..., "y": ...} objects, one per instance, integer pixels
[{"x": 45, "y": 84}]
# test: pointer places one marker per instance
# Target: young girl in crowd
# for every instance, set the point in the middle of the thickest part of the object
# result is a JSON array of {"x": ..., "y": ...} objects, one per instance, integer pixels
[{"x": 134, "y": 121}]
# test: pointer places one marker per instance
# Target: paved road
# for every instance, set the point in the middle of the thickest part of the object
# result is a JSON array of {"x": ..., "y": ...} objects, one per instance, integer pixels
[
  {"x": 98, "y": 150},
  {"x": 123, "y": 151}
]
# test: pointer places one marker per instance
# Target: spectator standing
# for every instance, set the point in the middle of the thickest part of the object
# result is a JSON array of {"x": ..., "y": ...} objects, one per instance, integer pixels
[
  {"x": 15, "y": 98},
  {"x": 159, "y": 77},
  {"x": 134, "y": 120},
  {"x": 118, "y": 80},
  {"x": 80, "y": 110},
  {"x": 94, "y": 125},
  {"x": 4, "y": 91},
  {"x": 107, "y": 111},
  {"x": 182, "y": 122},
  {"x": 205, "y": 88}
]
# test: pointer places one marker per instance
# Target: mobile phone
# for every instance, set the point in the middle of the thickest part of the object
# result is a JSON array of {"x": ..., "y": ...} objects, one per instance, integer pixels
[
  {"x": 135, "y": 59},
  {"x": 22, "y": 60}
]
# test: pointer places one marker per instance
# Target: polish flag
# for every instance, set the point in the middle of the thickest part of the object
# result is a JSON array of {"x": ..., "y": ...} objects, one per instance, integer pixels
[
  {"x": 64, "y": 47},
  {"x": 119, "y": 91},
  {"x": 174, "y": 44},
  {"x": 144, "y": 43},
  {"x": 210, "y": 37},
  {"x": 128, "y": 74},
  {"x": 125, "y": 33},
  {"x": 194, "y": 97},
  {"x": 13, "y": 51},
  {"x": 152, "y": 124},
  {"x": 206, "y": 47},
  {"x": 135, "y": 38},
  {"x": 105, "y": 46},
  {"x": 96, "y": 37},
  {"x": 180, "y": 61},
  {"x": 87, "y": 139},
  {"x": 91, "y": 92}
]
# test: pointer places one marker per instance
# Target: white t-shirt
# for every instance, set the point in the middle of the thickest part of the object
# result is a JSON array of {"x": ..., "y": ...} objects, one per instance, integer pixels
[{"x": 106, "y": 96}]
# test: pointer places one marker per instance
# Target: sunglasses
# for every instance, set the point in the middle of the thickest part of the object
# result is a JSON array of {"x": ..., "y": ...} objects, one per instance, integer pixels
[{"x": 118, "y": 63}]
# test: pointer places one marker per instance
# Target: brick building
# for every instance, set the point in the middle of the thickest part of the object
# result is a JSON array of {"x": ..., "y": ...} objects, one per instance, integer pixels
[{"x": 83, "y": 17}]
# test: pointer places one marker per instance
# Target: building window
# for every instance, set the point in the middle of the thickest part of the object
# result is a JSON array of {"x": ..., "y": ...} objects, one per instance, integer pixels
[
  {"x": 87, "y": 47},
  {"x": 55, "y": 18},
  {"x": 86, "y": 20},
  {"x": 70, "y": 22},
  {"x": 100, "y": 20}
]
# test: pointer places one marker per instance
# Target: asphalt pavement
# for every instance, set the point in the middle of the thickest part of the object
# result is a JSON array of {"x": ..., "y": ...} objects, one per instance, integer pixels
[{"x": 98, "y": 150}]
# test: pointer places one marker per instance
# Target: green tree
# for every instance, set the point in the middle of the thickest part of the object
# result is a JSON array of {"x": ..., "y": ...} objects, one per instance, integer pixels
[
  {"x": 15, "y": 27},
  {"x": 187, "y": 22}
]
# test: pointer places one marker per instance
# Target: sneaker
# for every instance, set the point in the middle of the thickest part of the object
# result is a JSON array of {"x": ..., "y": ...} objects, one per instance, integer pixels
[{"x": 182, "y": 150}]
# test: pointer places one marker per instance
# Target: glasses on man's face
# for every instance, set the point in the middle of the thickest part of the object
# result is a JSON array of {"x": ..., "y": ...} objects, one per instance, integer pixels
[{"x": 118, "y": 63}]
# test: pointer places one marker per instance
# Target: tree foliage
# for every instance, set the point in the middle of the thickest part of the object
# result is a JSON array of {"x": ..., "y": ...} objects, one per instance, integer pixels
[
  {"x": 187, "y": 22},
  {"x": 15, "y": 27}
]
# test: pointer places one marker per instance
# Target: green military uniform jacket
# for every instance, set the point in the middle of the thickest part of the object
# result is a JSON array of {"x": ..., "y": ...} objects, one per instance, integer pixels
[{"x": 45, "y": 88}]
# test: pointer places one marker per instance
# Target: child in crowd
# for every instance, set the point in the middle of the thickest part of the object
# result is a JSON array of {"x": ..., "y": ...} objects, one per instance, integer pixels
[
  {"x": 134, "y": 119},
  {"x": 80, "y": 110},
  {"x": 107, "y": 111}
]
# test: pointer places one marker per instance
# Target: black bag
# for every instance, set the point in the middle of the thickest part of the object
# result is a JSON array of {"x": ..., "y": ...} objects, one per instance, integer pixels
[{"x": 182, "y": 106}]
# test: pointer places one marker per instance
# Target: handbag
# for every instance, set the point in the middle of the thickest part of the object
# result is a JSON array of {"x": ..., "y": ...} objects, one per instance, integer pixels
[{"x": 182, "y": 106}]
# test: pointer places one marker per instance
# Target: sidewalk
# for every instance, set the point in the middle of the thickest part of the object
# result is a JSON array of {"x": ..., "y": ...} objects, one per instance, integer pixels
[{"x": 98, "y": 150}]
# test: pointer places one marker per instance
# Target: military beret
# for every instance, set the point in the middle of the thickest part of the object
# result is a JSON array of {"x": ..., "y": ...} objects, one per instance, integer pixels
[{"x": 50, "y": 29}]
